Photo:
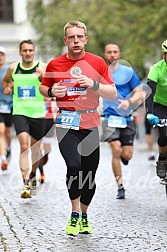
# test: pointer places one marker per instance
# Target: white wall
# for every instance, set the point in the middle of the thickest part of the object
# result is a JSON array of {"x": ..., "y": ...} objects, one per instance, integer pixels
[
  {"x": 13, "y": 33},
  {"x": 19, "y": 11}
]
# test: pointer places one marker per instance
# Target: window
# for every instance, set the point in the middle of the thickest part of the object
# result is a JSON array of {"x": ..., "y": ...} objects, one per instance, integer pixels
[{"x": 6, "y": 10}]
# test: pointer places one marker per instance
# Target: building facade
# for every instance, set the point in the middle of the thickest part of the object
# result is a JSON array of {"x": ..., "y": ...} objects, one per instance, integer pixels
[{"x": 14, "y": 27}]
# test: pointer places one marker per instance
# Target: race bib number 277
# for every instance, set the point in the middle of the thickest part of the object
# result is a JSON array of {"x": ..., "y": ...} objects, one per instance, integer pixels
[{"x": 68, "y": 119}]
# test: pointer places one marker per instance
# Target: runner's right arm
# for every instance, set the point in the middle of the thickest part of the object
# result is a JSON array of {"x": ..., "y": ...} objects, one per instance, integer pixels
[
  {"x": 149, "y": 101},
  {"x": 7, "y": 83},
  {"x": 153, "y": 120}
]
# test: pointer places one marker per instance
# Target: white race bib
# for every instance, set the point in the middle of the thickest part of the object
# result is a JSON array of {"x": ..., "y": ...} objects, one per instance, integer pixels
[{"x": 117, "y": 121}]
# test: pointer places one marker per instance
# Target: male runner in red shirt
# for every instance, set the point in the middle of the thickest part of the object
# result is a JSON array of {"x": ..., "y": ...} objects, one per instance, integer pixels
[{"x": 77, "y": 79}]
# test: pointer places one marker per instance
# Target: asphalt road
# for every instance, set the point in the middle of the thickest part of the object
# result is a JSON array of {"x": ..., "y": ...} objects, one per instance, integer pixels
[{"x": 137, "y": 223}]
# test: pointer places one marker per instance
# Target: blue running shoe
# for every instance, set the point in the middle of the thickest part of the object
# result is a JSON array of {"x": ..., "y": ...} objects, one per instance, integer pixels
[
  {"x": 124, "y": 161},
  {"x": 121, "y": 193}
]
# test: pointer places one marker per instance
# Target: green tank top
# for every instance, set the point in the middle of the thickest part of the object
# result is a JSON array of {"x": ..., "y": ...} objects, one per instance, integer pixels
[
  {"x": 158, "y": 73},
  {"x": 27, "y": 99}
]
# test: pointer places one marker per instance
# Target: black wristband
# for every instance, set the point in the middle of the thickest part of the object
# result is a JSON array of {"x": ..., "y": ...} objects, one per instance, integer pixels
[
  {"x": 50, "y": 92},
  {"x": 96, "y": 85}
]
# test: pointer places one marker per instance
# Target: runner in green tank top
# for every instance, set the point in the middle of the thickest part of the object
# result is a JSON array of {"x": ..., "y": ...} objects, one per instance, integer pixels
[
  {"x": 23, "y": 79},
  {"x": 158, "y": 74},
  {"x": 157, "y": 107},
  {"x": 27, "y": 99}
]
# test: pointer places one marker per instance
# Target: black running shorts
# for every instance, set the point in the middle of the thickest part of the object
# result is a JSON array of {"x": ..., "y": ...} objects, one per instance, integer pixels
[{"x": 35, "y": 127}]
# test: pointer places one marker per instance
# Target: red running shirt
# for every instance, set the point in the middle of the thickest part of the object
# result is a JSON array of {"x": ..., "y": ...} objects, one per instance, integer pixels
[{"x": 65, "y": 70}]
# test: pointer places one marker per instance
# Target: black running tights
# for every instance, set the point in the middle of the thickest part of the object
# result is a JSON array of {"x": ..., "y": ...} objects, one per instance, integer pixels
[{"x": 80, "y": 150}]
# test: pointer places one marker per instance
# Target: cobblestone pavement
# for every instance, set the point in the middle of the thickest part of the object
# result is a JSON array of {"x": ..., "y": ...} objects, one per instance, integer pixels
[{"x": 137, "y": 223}]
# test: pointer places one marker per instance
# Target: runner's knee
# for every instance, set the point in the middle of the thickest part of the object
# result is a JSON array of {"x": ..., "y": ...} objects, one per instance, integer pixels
[
  {"x": 162, "y": 141},
  {"x": 73, "y": 168}
]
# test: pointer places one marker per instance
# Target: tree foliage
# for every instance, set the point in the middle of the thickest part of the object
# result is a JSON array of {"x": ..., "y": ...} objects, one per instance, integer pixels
[{"x": 137, "y": 26}]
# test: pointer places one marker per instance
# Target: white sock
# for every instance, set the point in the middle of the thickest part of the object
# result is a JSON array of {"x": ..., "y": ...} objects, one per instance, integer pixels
[{"x": 3, "y": 157}]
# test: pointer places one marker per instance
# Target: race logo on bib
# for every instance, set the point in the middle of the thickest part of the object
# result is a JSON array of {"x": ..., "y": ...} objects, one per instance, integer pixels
[{"x": 75, "y": 71}]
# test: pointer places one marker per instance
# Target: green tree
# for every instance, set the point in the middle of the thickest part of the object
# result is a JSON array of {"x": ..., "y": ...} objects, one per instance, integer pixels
[{"x": 137, "y": 26}]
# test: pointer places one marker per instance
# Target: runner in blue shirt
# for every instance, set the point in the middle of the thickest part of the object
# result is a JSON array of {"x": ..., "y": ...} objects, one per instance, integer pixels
[
  {"x": 118, "y": 124},
  {"x": 5, "y": 116}
]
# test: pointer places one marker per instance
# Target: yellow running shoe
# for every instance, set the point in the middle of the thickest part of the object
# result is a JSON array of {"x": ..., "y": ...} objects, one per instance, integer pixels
[
  {"x": 72, "y": 227},
  {"x": 85, "y": 226},
  {"x": 26, "y": 193}
]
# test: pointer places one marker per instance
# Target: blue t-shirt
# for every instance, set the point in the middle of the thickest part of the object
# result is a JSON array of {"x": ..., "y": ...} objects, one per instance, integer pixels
[
  {"x": 4, "y": 98},
  {"x": 125, "y": 80}
]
